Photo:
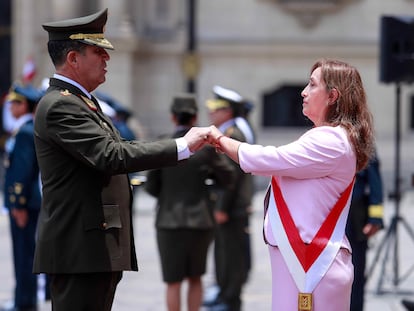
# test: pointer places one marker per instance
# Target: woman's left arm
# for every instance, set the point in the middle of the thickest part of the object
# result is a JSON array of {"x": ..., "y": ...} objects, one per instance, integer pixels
[
  {"x": 224, "y": 144},
  {"x": 318, "y": 153}
]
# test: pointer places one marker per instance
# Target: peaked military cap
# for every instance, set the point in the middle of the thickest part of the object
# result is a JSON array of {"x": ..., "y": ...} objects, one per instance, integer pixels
[
  {"x": 87, "y": 29},
  {"x": 224, "y": 98},
  {"x": 20, "y": 92},
  {"x": 184, "y": 103}
]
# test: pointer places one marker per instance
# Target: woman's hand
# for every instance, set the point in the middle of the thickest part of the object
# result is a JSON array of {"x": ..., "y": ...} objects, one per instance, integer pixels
[
  {"x": 214, "y": 135},
  {"x": 223, "y": 143},
  {"x": 214, "y": 138}
]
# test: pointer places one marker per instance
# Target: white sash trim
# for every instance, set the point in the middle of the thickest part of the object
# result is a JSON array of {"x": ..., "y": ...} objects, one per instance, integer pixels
[{"x": 306, "y": 281}]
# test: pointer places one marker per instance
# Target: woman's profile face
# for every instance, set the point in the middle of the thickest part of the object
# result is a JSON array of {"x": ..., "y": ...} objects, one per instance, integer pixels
[{"x": 315, "y": 98}]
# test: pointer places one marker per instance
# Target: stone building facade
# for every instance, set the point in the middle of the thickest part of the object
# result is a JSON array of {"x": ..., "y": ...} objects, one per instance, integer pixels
[{"x": 252, "y": 46}]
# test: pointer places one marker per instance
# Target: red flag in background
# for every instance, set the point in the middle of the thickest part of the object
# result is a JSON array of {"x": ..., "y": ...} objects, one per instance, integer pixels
[{"x": 29, "y": 70}]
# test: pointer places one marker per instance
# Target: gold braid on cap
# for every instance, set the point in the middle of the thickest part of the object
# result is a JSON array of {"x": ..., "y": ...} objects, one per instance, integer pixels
[
  {"x": 83, "y": 36},
  {"x": 13, "y": 96},
  {"x": 93, "y": 38}
]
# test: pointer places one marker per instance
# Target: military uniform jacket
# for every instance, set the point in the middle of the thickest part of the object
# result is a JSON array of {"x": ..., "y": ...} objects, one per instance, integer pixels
[
  {"x": 238, "y": 202},
  {"x": 21, "y": 185},
  {"x": 182, "y": 192},
  {"x": 367, "y": 192},
  {"x": 85, "y": 222}
]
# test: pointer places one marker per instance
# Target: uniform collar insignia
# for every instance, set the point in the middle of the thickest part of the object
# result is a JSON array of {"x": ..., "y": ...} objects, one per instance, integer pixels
[{"x": 90, "y": 103}]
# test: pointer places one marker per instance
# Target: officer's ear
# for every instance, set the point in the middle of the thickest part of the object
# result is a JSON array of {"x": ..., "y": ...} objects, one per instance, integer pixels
[{"x": 71, "y": 58}]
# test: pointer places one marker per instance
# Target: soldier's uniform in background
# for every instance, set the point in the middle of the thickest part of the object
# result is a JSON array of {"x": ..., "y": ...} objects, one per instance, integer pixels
[
  {"x": 22, "y": 195},
  {"x": 366, "y": 208}
]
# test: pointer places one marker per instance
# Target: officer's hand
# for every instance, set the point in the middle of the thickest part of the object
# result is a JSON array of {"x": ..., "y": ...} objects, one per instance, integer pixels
[
  {"x": 214, "y": 134},
  {"x": 196, "y": 138}
]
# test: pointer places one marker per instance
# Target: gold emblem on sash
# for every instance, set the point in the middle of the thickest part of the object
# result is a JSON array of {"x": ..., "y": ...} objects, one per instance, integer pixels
[{"x": 305, "y": 302}]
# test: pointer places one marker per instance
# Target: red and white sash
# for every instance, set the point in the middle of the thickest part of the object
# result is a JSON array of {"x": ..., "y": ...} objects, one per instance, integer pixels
[{"x": 307, "y": 263}]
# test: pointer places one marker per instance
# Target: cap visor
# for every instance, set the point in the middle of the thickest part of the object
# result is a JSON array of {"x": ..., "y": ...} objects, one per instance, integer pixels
[
  {"x": 103, "y": 43},
  {"x": 13, "y": 96},
  {"x": 214, "y": 104}
]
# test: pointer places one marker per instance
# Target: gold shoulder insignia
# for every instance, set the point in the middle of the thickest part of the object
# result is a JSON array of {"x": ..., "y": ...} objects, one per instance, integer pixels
[
  {"x": 90, "y": 103},
  {"x": 65, "y": 93}
]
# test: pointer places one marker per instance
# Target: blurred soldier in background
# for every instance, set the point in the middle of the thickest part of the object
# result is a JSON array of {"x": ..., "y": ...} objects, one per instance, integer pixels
[
  {"x": 22, "y": 194},
  {"x": 365, "y": 219},
  {"x": 119, "y": 115},
  {"x": 184, "y": 221},
  {"x": 231, "y": 251}
]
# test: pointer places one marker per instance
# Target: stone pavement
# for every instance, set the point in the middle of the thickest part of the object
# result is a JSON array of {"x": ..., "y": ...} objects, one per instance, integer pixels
[{"x": 144, "y": 290}]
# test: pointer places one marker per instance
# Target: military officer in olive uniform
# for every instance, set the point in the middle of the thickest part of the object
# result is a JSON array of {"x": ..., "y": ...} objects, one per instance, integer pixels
[
  {"x": 22, "y": 193},
  {"x": 85, "y": 236},
  {"x": 231, "y": 258}
]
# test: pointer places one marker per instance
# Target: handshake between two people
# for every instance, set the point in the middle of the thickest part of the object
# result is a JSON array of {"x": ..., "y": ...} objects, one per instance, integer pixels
[{"x": 198, "y": 137}]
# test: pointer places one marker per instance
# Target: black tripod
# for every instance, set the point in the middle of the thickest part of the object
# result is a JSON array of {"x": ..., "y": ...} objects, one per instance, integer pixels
[{"x": 389, "y": 243}]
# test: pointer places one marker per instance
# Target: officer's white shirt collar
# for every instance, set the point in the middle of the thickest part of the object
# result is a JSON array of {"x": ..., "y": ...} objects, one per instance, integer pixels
[
  {"x": 224, "y": 126},
  {"x": 70, "y": 81}
]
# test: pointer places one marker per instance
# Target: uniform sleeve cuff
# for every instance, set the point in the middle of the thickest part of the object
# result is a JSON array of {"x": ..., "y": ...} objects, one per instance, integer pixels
[
  {"x": 183, "y": 152},
  {"x": 376, "y": 211}
]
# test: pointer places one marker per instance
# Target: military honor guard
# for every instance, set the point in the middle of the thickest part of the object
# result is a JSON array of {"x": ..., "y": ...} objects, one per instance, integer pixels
[
  {"x": 231, "y": 247},
  {"x": 22, "y": 193}
]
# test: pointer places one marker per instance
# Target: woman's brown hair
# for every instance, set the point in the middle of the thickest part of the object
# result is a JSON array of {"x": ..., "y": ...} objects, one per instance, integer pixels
[{"x": 350, "y": 110}]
